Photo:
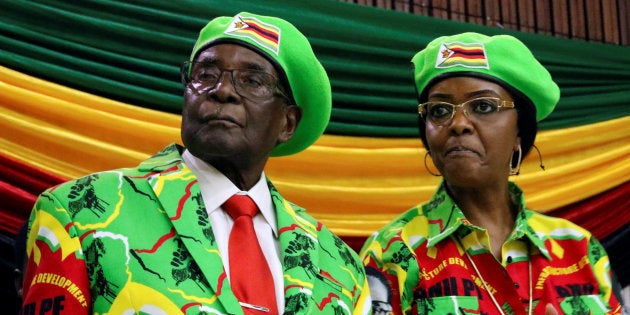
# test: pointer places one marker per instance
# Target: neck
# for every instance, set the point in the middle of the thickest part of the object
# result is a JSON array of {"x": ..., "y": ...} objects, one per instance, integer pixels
[
  {"x": 243, "y": 176},
  {"x": 489, "y": 208}
]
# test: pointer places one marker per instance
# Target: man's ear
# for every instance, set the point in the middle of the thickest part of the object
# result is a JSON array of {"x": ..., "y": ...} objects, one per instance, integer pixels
[{"x": 293, "y": 114}]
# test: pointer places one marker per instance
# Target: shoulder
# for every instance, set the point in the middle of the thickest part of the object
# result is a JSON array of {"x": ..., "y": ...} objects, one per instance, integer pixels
[
  {"x": 410, "y": 219},
  {"x": 564, "y": 239},
  {"x": 97, "y": 195},
  {"x": 96, "y": 183},
  {"x": 393, "y": 242},
  {"x": 545, "y": 225},
  {"x": 166, "y": 160}
]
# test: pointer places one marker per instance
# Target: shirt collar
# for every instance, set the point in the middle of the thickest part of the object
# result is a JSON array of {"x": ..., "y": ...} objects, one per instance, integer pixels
[
  {"x": 221, "y": 189},
  {"x": 445, "y": 217}
]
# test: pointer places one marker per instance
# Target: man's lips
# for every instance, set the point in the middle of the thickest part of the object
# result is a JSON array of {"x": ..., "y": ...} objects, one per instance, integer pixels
[{"x": 222, "y": 118}]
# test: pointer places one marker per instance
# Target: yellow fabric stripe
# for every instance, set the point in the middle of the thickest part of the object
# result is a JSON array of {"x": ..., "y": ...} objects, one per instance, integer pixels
[{"x": 354, "y": 185}]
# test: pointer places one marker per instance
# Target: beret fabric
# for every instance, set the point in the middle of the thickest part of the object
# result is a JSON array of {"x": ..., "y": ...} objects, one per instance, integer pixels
[
  {"x": 292, "y": 55},
  {"x": 502, "y": 58}
]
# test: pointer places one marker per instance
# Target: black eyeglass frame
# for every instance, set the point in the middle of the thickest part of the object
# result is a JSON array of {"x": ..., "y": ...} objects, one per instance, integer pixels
[{"x": 187, "y": 66}]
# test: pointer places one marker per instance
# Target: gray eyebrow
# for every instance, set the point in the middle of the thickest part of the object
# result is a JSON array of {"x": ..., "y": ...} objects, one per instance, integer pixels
[
  {"x": 211, "y": 60},
  {"x": 245, "y": 65}
]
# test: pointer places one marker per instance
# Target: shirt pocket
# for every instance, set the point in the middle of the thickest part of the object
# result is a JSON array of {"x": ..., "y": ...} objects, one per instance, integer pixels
[{"x": 444, "y": 305}]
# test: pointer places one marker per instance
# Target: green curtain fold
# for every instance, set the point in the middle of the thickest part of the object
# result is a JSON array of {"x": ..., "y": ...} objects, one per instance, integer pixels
[{"x": 130, "y": 51}]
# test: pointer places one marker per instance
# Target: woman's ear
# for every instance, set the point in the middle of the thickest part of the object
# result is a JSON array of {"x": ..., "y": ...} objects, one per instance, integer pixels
[{"x": 518, "y": 143}]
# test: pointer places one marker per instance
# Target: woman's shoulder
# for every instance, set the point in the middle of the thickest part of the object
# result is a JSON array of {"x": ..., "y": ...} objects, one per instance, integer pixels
[
  {"x": 554, "y": 226},
  {"x": 562, "y": 237},
  {"x": 404, "y": 219},
  {"x": 394, "y": 232}
]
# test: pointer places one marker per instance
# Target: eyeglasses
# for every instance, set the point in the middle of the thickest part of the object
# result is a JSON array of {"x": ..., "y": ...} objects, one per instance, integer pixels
[
  {"x": 482, "y": 108},
  {"x": 251, "y": 84}
]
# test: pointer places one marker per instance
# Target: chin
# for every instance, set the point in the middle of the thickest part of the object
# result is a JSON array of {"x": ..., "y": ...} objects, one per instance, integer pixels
[{"x": 203, "y": 149}]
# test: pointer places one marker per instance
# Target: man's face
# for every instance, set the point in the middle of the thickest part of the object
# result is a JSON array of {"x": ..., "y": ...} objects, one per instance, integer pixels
[{"x": 220, "y": 123}]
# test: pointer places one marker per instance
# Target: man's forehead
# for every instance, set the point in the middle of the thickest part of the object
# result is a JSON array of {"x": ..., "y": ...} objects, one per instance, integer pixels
[{"x": 235, "y": 56}]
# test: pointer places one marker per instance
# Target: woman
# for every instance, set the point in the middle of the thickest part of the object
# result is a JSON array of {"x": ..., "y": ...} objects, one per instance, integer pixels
[{"x": 475, "y": 248}]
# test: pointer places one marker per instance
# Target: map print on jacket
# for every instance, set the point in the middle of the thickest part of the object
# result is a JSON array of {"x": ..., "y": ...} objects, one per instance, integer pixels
[{"x": 139, "y": 241}]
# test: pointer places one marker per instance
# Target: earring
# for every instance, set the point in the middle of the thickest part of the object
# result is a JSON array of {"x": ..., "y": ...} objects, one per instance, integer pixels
[
  {"x": 427, "y": 167},
  {"x": 517, "y": 169}
]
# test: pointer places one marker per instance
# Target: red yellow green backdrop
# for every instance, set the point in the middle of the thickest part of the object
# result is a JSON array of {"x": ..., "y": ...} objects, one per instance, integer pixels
[{"x": 90, "y": 86}]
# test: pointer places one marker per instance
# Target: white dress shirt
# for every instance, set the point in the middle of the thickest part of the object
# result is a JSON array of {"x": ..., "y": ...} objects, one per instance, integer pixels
[{"x": 215, "y": 190}]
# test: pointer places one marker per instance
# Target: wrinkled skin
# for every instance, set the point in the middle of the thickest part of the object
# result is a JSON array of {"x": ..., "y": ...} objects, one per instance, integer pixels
[{"x": 233, "y": 133}]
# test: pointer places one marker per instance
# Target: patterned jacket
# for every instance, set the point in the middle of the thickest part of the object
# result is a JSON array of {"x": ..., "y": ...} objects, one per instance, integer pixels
[
  {"x": 139, "y": 241},
  {"x": 419, "y": 258}
]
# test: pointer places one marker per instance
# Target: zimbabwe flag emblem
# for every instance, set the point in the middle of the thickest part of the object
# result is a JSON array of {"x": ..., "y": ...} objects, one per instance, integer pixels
[
  {"x": 267, "y": 36},
  {"x": 469, "y": 55}
]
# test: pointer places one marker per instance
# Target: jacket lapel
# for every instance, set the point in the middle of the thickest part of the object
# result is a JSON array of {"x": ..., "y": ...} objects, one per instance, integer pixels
[
  {"x": 299, "y": 255},
  {"x": 177, "y": 189}
]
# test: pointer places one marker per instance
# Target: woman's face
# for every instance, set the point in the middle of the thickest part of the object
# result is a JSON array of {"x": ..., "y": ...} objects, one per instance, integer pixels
[{"x": 467, "y": 150}]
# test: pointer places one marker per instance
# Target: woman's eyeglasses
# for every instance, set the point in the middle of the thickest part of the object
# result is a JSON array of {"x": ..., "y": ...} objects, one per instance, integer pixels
[{"x": 482, "y": 108}]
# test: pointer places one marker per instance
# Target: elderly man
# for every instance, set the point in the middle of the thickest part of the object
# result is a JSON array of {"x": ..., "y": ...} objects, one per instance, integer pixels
[{"x": 200, "y": 228}]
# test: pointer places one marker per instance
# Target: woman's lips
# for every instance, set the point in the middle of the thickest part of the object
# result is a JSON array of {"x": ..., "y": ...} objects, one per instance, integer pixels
[{"x": 460, "y": 150}]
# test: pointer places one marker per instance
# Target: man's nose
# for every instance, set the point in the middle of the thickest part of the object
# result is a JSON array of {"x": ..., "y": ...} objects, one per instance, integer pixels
[{"x": 225, "y": 88}]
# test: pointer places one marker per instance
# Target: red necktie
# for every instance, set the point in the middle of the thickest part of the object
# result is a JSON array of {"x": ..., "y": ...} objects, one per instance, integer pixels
[{"x": 250, "y": 276}]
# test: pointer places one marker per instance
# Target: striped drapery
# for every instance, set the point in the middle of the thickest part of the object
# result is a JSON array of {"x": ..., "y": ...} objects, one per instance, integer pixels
[{"x": 92, "y": 85}]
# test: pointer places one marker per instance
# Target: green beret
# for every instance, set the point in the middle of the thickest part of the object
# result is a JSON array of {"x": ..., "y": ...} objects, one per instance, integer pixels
[
  {"x": 292, "y": 56},
  {"x": 501, "y": 58}
]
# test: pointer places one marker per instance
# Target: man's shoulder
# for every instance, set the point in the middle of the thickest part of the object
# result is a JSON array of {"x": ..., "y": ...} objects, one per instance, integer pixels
[{"x": 166, "y": 160}]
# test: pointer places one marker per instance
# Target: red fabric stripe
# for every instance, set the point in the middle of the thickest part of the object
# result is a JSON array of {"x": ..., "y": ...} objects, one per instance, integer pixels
[
  {"x": 29, "y": 178},
  {"x": 455, "y": 55},
  {"x": 263, "y": 32},
  {"x": 9, "y": 223},
  {"x": 20, "y": 184},
  {"x": 15, "y": 200},
  {"x": 468, "y": 53},
  {"x": 601, "y": 214}
]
